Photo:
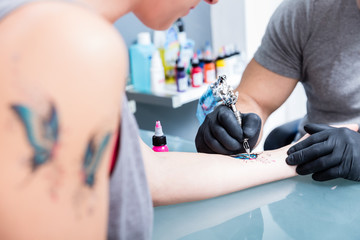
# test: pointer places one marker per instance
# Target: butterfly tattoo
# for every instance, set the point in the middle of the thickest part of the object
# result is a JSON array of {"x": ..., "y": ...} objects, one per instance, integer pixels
[
  {"x": 93, "y": 154},
  {"x": 42, "y": 133}
]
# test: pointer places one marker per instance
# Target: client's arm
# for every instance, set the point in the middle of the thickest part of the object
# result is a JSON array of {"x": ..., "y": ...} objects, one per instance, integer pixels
[{"x": 176, "y": 177}]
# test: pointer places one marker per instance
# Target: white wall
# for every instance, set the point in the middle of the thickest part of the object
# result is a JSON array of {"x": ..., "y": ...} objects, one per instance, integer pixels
[
  {"x": 257, "y": 15},
  {"x": 228, "y": 24},
  {"x": 243, "y": 22}
]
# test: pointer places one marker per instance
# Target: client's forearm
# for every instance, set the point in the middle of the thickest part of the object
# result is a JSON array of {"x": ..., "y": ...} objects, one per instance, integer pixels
[{"x": 182, "y": 177}]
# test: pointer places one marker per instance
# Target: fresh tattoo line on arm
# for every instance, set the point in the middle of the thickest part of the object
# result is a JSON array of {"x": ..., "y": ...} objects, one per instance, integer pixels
[
  {"x": 255, "y": 157},
  {"x": 245, "y": 156}
]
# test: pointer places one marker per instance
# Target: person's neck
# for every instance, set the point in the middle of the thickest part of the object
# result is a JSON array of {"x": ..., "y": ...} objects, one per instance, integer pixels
[{"x": 111, "y": 10}]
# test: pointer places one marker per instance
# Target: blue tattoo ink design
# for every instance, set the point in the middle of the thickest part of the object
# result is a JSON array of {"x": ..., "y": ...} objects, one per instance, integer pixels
[
  {"x": 92, "y": 159},
  {"x": 42, "y": 133},
  {"x": 245, "y": 156}
]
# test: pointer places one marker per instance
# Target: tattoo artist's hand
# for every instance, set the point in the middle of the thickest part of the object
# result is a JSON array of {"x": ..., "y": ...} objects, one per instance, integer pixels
[
  {"x": 328, "y": 153},
  {"x": 221, "y": 133}
]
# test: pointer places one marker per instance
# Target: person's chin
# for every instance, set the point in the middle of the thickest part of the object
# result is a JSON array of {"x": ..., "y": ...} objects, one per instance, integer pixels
[{"x": 159, "y": 25}]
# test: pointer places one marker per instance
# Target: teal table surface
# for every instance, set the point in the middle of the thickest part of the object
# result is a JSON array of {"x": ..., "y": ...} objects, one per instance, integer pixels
[{"x": 295, "y": 208}]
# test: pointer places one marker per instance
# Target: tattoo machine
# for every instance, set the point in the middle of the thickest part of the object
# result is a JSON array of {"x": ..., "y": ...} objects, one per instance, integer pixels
[{"x": 218, "y": 93}]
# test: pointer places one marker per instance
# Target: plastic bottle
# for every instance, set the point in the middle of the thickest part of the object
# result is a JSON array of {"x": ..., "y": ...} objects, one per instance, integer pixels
[
  {"x": 181, "y": 31},
  {"x": 159, "y": 43},
  {"x": 209, "y": 68},
  {"x": 171, "y": 50},
  {"x": 140, "y": 62},
  {"x": 181, "y": 77},
  {"x": 197, "y": 77},
  {"x": 159, "y": 139},
  {"x": 201, "y": 59},
  {"x": 157, "y": 73},
  {"x": 186, "y": 46},
  {"x": 221, "y": 68}
]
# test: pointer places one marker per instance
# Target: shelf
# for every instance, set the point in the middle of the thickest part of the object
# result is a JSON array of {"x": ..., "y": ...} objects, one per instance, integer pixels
[{"x": 169, "y": 98}]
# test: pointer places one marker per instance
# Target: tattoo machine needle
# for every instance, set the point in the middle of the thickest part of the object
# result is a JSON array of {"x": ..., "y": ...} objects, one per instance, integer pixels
[
  {"x": 238, "y": 118},
  {"x": 229, "y": 98}
]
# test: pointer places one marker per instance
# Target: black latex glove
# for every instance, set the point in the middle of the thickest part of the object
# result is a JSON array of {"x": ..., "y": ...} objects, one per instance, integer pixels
[
  {"x": 221, "y": 133},
  {"x": 328, "y": 153}
]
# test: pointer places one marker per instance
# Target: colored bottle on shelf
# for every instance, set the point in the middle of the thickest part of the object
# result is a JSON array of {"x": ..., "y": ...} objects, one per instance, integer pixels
[
  {"x": 221, "y": 64},
  {"x": 159, "y": 43},
  {"x": 181, "y": 77},
  {"x": 201, "y": 59},
  {"x": 140, "y": 62},
  {"x": 171, "y": 50},
  {"x": 209, "y": 71},
  {"x": 157, "y": 73},
  {"x": 209, "y": 65},
  {"x": 197, "y": 77},
  {"x": 159, "y": 139},
  {"x": 186, "y": 46}
]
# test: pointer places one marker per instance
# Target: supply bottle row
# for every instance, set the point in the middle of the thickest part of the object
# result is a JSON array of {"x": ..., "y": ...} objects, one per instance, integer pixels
[{"x": 171, "y": 61}]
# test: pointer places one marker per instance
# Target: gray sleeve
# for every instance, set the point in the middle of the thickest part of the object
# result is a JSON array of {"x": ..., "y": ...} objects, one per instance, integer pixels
[
  {"x": 130, "y": 210},
  {"x": 285, "y": 38}
]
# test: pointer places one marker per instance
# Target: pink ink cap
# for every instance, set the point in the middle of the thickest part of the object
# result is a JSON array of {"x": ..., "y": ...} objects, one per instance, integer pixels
[
  {"x": 159, "y": 139},
  {"x": 158, "y": 129}
]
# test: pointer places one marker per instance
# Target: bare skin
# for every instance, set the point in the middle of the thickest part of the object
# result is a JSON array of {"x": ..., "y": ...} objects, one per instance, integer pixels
[{"x": 182, "y": 177}]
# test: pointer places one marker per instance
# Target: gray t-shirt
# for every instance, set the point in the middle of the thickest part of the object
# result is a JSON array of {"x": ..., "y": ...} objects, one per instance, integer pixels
[
  {"x": 318, "y": 43},
  {"x": 131, "y": 210}
]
